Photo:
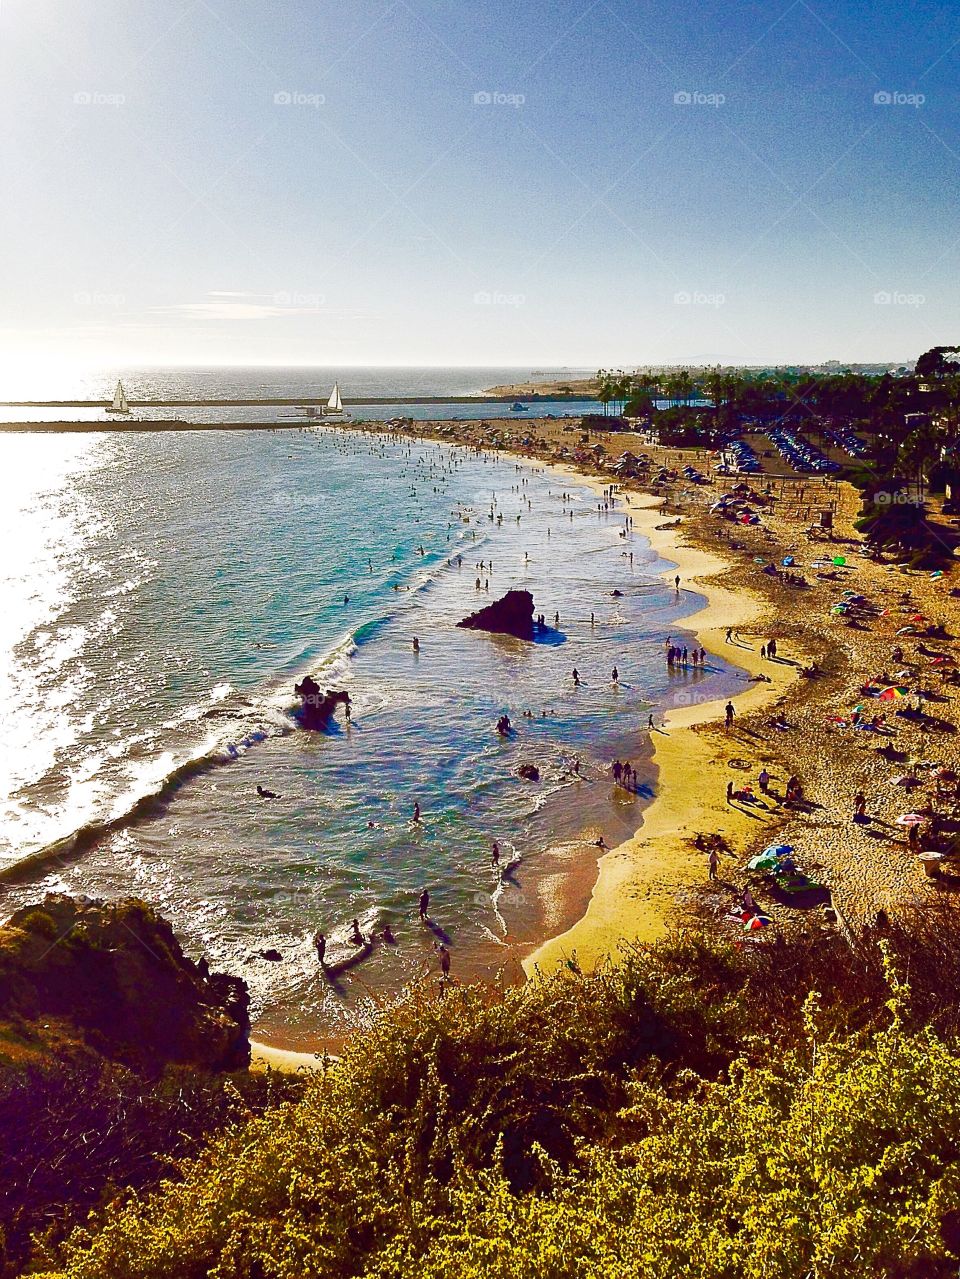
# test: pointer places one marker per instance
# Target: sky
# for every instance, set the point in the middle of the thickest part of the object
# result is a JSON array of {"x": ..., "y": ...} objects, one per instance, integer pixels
[{"x": 435, "y": 182}]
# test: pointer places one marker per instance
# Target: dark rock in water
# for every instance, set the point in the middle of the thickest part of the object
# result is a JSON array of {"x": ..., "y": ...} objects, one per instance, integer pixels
[
  {"x": 317, "y": 708},
  {"x": 617, "y": 594},
  {"x": 510, "y": 615},
  {"x": 529, "y": 772},
  {"x": 113, "y": 975},
  {"x": 272, "y": 954}
]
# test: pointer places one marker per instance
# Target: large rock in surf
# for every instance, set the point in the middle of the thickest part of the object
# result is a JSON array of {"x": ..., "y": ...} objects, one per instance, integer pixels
[
  {"x": 510, "y": 615},
  {"x": 316, "y": 708},
  {"x": 112, "y": 975}
]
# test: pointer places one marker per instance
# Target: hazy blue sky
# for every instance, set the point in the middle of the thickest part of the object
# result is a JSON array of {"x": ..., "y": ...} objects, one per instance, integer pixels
[{"x": 311, "y": 182}]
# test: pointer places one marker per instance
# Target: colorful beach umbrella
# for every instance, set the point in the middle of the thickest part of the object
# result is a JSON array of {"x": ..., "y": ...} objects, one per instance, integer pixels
[
  {"x": 839, "y": 560},
  {"x": 755, "y": 922},
  {"x": 763, "y": 861},
  {"x": 891, "y": 694},
  {"x": 778, "y": 850},
  {"x": 911, "y": 819}
]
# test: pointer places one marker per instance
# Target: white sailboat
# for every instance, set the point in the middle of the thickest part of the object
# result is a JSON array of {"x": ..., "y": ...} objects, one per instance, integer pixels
[
  {"x": 334, "y": 406},
  {"x": 120, "y": 403}
]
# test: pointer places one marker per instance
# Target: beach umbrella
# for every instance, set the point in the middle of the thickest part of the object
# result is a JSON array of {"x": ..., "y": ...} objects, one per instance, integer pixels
[
  {"x": 907, "y": 780},
  {"x": 777, "y": 850},
  {"x": 911, "y": 819},
  {"x": 763, "y": 861},
  {"x": 891, "y": 694},
  {"x": 918, "y": 617},
  {"x": 839, "y": 560},
  {"x": 755, "y": 922}
]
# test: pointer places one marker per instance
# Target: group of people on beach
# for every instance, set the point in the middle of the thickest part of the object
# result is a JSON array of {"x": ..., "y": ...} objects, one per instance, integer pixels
[
  {"x": 678, "y": 655},
  {"x": 624, "y": 775}
]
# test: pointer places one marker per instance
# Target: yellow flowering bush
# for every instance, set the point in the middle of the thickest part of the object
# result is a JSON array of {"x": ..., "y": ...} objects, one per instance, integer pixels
[{"x": 581, "y": 1127}]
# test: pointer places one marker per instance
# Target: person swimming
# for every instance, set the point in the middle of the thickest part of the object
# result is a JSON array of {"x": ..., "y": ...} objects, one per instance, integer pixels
[{"x": 267, "y": 794}]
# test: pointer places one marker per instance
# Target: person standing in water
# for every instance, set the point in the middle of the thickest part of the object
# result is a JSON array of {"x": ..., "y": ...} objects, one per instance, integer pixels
[
  {"x": 424, "y": 904},
  {"x": 495, "y": 854},
  {"x": 320, "y": 945},
  {"x": 416, "y": 811}
]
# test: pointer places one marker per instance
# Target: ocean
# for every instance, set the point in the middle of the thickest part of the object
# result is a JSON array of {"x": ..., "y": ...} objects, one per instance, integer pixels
[{"x": 160, "y": 596}]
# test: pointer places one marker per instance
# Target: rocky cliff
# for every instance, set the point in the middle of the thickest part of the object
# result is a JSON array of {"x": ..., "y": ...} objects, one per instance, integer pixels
[{"x": 113, "y": 976}]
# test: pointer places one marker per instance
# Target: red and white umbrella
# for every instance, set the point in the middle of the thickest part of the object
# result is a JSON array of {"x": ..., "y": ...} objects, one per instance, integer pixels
[{"x": 911, "y": 819}]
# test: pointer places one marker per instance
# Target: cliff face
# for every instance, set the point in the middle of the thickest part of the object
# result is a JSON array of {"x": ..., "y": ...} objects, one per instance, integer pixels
[{"x": 113, "y": 975}]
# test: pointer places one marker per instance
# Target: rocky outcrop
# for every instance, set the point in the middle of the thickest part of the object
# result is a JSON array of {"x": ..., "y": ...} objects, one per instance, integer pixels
[
  {"x": 510, "y": 615},
  {"x": 317, "y": 708},
  {"x": 112, "y": 975}
]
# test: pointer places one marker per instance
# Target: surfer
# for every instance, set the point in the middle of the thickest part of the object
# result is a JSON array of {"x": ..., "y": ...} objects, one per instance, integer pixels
[{"x": 267, "y": 794}]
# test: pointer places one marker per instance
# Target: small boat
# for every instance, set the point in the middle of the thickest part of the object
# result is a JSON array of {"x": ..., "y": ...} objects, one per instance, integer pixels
[
  {"x": 120, "y": 403},
  {"x": 334, "y": 406},
  {"x": 517, "y": 407}
]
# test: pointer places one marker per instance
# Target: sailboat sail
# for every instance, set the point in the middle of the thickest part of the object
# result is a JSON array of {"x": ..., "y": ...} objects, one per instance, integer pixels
[
  {"x": 120, "y": 402},
  {"x": 335, "y": 404}
]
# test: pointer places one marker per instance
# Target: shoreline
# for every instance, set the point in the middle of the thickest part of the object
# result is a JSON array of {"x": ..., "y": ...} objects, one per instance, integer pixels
[
  {"x": 611, "y": 881},
  {"x": 635, "y": 895}
]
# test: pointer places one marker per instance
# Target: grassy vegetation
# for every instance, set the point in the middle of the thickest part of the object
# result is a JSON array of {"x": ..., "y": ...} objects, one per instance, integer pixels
[{"x": 703, "y": 1109}]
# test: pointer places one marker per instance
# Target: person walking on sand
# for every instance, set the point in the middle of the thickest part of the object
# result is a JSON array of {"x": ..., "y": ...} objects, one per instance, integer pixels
[
  {"x": 728, "y": 638},
  {"x": 729, "y": 792},
  {"x": 616, "y": 676},
  {"x": 764, "y": 781},
  {"x": 444, "y": 960},
  {"x": 729, "y": 711},
  {"x": 424, "y": 904},
  {"x": 676, "y": 583},
  {"x": 714, "y": 863},
  {"x": 859, "y": 806},
  {"x": 763, "y": 652}
]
